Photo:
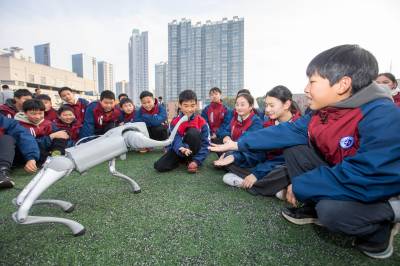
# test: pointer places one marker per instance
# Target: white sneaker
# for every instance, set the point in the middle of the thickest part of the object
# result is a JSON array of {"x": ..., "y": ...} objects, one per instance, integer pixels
[
  {"x": 281, "y": 194},
  {"x": 232, "y": 180}
]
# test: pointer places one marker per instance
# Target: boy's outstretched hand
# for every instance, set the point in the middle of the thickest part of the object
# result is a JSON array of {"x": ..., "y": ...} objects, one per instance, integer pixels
[
  {"x": 224, "y": 160},
  {"x": 229, "y": 146},
  {"x": 185, "y": 151},
  {"x": 30, "y": 166}
]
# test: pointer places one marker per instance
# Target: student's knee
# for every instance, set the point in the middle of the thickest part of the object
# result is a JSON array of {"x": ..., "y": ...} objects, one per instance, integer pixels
[
  {"x": 193, "y": 133},
  {"x": 158, "y": 165}
]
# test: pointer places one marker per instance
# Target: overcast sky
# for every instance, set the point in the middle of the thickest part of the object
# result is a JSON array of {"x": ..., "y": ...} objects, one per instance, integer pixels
[{"x": 281, "y": 36}]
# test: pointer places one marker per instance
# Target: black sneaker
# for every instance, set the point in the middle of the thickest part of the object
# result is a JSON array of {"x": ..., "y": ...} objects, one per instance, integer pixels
[
  {"x": 303, "y": 215},
  {"x": 378, "y": 250},
  {"x": 5, "y": 180}
]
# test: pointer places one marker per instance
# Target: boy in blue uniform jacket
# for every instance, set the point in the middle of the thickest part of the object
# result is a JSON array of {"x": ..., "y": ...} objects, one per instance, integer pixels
[
  {"x": 191, "y": 142},
  {"x": 154, "y": 115},
  {"x": 12, "y": 134},
  {"x": 344, "y": 157}
]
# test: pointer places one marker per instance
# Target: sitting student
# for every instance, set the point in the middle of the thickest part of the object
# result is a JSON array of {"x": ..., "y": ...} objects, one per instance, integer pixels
[
  {"x": 154, "y": 115},
  {"x": 347, "y": 182},
  {"x": 100, "y": 116},
  {"x": 49, "y": 113},
  {"x": 389, "y": 80},
  {"x": 79, "y": 105},
  {"x": 127, "y": 111},
  {"x": 280, "y": 108},
  {"x": 191, "y": 142},
  {"x": 32, "y": 118},
  {"x": 67, "y": 122},
  {"x": 15, "y": 139},
  {"x": 13, "y": 106},
  {"x": 216, "y": 114}
]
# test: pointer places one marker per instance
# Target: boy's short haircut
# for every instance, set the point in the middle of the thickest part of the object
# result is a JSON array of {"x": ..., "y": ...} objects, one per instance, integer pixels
[
  {"x": 33, "y": 105},
  {"x": 5, "y": 87},
  {"x": 22, "y": 92},
  {"x": 146, "y": 94},
  {"x": 107, "y": 95},
  {"x": 64, "y": 108},
  {"x": 43, "y": 97},
  {"x": 124, "y": 101},
  {"x": 215, "y": 89},
  {"x": 122, "y": 95},
  {"x": 345, "y": 61},
  {"x": 243, "y": 91},
  {"x": 187, "y": 95},
  {"x": 64, "y": 89}
]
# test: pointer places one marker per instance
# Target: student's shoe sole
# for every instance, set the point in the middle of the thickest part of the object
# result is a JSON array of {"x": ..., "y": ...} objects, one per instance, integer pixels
[
  {"x": 389, "y": 250},
  {"x": 302, "y": 221},
  {"x": 7, "y": 183}
]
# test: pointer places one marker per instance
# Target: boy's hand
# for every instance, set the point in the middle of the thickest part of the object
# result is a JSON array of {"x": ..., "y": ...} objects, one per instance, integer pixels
[
  {"x": 213, "y": 136},
  {"x": 30, "y": 166},
  {"x": 229, "y": 146},
  {"x": 224, "y": 160},
  {"x": 249, "y": 181},
  {"x": 226, "y": 139},
  {"x": 185, "y": 151},
  {"x": 62, "y": 134},
  {"x": 290, "y": 197}
]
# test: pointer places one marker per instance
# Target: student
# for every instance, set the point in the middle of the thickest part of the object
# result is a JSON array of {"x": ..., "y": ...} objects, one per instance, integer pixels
[
  {"x": 37, "y": 93},
  {"x": 347, "y": 182},
  {"x": 49, "y": 113},
  {"x": 389, "y": 80},
  {"x": 100, "y": 116},
  {"x": 127, "y": 111},
  {"x": 154, "y": 115},
  {"x": 32, "y": 118},
  {"x": 15, "y": 139},
  {"x": 280, "y": 108},
  {"x": 216, "y": 114},
  {"x": 191, "y": 142},
  {"x": 13, "y": 106},
  {"x": 79, "y": 105},
  {"x": 5, "y": 94},
  {"x": 67, "y": 122}
]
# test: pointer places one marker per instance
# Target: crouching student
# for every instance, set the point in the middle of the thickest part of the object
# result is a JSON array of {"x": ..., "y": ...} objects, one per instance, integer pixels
[
  {"x": 217, "y": 115},
  {"x": 32, "y": 119},
  {"x": 79, "y": 105},
  {"x": 66, "y": 122},
  {"x": 127, "y": 111},
  {"x": 49, "y": 112},
  {"x": 343, "y": 159},
  {"x": 13, "y": 106},
  {"x": 14, "y": 140},
  {"x": 190, "y": 145},
  {"x": 100, "y": 116},
  {"x": 154, "y": 115},
  {"x": 267, "y": 176}
]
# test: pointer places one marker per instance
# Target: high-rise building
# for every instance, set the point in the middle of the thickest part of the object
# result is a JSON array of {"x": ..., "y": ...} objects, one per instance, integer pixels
[
  {"x": 106, "y": 76},
  {"x": 161, "y": 79},
  {"x": 42, "y": 54},
  {"x": 138, "y": 64},
  {"x": 121, "y": 87},
  {"x": 204, "y": 56},
  {"x": 85, "y": 67}
]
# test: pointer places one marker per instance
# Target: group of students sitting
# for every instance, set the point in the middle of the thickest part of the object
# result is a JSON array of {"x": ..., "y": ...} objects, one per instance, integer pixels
[{"x": 338, "y": 164}]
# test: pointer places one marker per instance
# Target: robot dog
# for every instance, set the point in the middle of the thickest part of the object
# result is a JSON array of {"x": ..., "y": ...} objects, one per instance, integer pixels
[{"x": 116, "y": 142}]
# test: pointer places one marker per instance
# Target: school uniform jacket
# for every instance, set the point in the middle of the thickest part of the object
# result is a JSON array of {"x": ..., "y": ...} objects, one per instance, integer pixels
[
  {"x": 217, "y": 116},
  {"x": 8, "y": 109},
  {"x": 155, "y": 117},
  {"x": 79, "y": 109}
]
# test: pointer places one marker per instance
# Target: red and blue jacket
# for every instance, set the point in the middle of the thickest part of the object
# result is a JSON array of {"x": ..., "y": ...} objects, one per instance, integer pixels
[
  {"x": 8, "y": 109},
  {"x": 72, "y": 130},
  {"x": 50, "y": 115},
  {"x": 396, "y": 99},
  {"x": 155, "y": 117},
  {"x": 126, "y": 118},
  {"x": 24, "y": 140},
  {"x": 79, "y": 109},
  {"x": 217, "y": 116},
  {"x": 358, "y": 137},
  {"x": 197, "y": 122},
  {"x": 96, "y": 118}
]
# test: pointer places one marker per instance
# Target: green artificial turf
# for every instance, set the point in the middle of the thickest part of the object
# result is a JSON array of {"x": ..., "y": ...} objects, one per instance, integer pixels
[{"x": 178, "y": 218}]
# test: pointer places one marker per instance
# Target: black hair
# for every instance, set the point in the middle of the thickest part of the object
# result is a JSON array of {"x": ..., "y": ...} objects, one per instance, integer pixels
[
  {"x": 64, "y": 108},
  {"x": 215, "y": 89},
  {"x": 146, "y": 94},
  {"x": 243, "y": 91},
  {"x": 107, "y": 95},
  {"x": 122, "y": 95},
  {"x": 345, "y": 60},
  {"x": 187, "y": 95},
  {"x": 5, "y": 86},
  {"x": 283, "y": 94},
  {"x": 43, "y": 97},
  {"x": 33, "y": 105},
  {"x": 124, "y": 101},
  {"x": 160, "y": 98},
  {"x": 389, "y": 76},
  {"x": 247, "y": 96},
  {"x": 64, "y": 89},
  {"x": 22, "y": 92},
  {"x": 37, "y": 89}
]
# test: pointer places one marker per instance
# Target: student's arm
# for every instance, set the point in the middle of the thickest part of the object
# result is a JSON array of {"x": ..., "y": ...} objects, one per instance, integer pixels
[
  {"x": 88, "y": 123},
  {"x": 372, "y": 174},
  {"x": 204, "y": 113},
  {"x": 156, "y": 119},
  {"x": 205, "y": 142},
  {"x": 225, "y": 124}
]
